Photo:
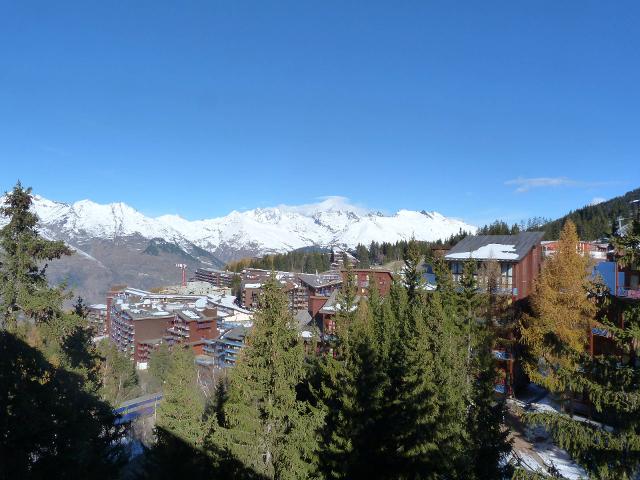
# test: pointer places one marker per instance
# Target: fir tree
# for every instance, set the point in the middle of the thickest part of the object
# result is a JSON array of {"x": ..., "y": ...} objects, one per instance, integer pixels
[
  {"x": 182, "y": 407},
  {"x": 412, "y": 272},
  {"x": 53, "y": 422},
  {"x": 354, "y": 441},
  {"x": 23, "y": 282},
  {"x": 362, "y": 254},
  {"x": 180, "y": 426},
  {"x": 119, "y": 381},
  {"x": 159, "y": 365},
  {"x": 268, "y": 429}
]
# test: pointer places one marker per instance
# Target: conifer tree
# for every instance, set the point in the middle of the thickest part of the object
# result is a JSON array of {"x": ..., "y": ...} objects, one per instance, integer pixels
[
  {"x": 23, "y": 282},
  {"x": 53, "y": 422},
  {"x": 412, "y": 273},
  {"x": 354, "y": 440},
  {"x": 119, "y": 381},
  {"x": 182, "y": 408},
  {"x": 268, "y": 429},
  {"x": 426, "y": 408},
  {"x": 609, "y": 447},
  {"x": 159, "y": 365},
  {"x": 556, "y": 335},
  {"x": 362, "y": 254},
  {"x": 180, "y": 428}
]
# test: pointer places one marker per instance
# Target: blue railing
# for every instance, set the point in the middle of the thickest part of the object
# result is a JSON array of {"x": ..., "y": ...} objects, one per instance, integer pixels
[
  {"x": 502, "y": 355},
  {"x": 629, "y": 292},
  {"x": 600, "y": 332},
  {"x": 136, "y": 408}
]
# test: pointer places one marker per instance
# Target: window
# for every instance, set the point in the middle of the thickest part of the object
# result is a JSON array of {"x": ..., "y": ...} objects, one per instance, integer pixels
[
  {"x": 456, "y": 270},
  {"x": 506, "y": 275}
]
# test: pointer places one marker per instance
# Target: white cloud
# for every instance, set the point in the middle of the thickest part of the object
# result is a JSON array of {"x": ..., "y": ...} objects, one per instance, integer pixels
[
  {"x": 328, "y": 203},
  {"x": 597, "y": 200},
  {"x": 525, "y": 184}
]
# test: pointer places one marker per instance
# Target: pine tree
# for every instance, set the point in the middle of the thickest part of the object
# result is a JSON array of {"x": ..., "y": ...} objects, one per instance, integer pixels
[
  {"x": 269, "y": 430},
  {"x": 159, "y": 365},
  {"x": 119, "y": 381},
  {"x": 181, "y": 427},
  {"x": 23, "y": 283},
  {"x": 53, "y": 422},
  {"x": 354, "y": 441}
]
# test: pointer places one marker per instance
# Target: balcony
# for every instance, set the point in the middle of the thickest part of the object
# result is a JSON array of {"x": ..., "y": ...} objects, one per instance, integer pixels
[
  {"x": 633, "y": 293},
  {"x": 502, "y": 355}
]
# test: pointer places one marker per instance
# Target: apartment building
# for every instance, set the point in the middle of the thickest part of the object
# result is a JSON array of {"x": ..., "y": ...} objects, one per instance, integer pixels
[
  {"x": 219, "y": 278},
  {"x": 97, "y": 318},
  {"x": 139, "y": 321},
  {"x": 513, "y": 262},
  {"x": 519, "y": 258}
]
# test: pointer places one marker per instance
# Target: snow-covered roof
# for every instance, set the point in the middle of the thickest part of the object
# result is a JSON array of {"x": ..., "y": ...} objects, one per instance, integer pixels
[
  {"x": 497, "y": 247},
  {"x": 495, "y": 251},
  {"x": 226, "y": 301}
]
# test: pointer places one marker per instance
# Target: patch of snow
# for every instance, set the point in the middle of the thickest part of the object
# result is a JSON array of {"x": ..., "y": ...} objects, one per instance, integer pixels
[{"x": 496, "y": 251}]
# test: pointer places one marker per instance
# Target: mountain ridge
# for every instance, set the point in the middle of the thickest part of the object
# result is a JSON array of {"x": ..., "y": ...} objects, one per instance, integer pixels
[
  {"x": 261, "y": 230},
  {"x": 115, "y": 243}
]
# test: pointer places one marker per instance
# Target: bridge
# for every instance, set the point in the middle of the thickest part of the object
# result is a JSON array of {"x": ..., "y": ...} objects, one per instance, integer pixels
[{"x": 138, "y": 407}]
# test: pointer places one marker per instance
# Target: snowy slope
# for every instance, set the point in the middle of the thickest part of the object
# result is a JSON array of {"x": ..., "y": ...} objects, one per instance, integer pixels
[{"x": 258, "y": 231}]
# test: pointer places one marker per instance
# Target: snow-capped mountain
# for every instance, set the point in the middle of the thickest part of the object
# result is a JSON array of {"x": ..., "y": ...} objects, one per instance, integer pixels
[
  {"x": 332, "y": 222},
  {"x": 117, "y": 244}
]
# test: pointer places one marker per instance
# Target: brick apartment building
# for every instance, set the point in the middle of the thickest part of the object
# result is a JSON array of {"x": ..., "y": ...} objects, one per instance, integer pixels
[{"x": 139, "y": 321}]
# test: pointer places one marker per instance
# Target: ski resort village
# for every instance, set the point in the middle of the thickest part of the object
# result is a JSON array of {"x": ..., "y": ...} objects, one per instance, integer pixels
[
  {"x": 211, "y": 313},
  {"x": 484, "y": 306},
  {"x": 325, "y": 240}
]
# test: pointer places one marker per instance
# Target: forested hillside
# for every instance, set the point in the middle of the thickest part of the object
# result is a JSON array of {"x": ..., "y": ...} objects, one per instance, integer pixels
[{"x": 595, "y": 221}]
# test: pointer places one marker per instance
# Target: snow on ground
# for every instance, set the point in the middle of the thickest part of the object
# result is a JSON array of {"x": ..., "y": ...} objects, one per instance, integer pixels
[
  {"x": 534, "y": 444},
  {"x": 560, "y": 459}
]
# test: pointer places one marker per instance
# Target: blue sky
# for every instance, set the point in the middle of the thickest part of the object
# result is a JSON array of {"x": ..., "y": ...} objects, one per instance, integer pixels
[{"x": 479, "y": 110}]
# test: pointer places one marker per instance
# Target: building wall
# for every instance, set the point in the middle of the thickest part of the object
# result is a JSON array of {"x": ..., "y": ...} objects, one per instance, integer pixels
[
  {"x": 526, "y": 271},
  {"x": 217, "y": 278},
  {"x": 203, "y": 329},
  {"x": 149, "y": 329},
  {"x": 316, "y": 303},
  {"x": 367, "y": 278},
  {"x": 250, "y": 297}
]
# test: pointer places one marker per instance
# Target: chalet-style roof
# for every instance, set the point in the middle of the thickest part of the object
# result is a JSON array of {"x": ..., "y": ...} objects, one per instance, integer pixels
[
  {"x": 236, "y": 333},
  {"x": 332, "y": 305},
  {"x": 505, "y": 248},
  {"x": 319, "y": 280},
  {"x": 303, "y": 318},
  {"x": 377, "y": 270}
]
